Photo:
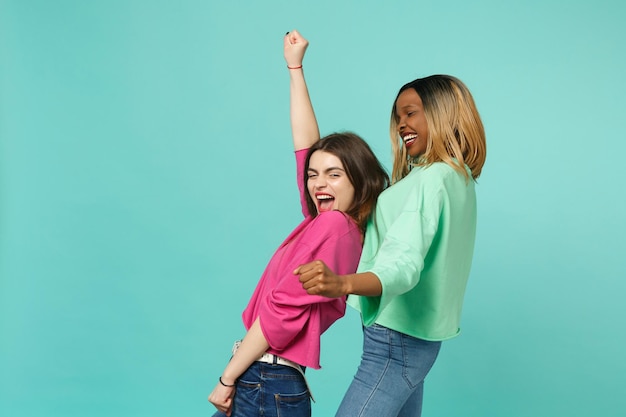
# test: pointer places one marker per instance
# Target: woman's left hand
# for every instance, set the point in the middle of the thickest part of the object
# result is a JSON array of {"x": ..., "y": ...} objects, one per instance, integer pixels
[{"x": 222, "y": 398}]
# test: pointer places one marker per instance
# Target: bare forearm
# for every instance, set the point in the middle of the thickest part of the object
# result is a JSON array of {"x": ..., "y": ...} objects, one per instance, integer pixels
[
  {"x": 252, "y": 347},
  {"x": 363, "y": 283},
  {"x": 304, "y": 128}
]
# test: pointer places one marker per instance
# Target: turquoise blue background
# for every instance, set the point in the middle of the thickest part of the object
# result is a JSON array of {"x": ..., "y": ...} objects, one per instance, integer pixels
[{"x": 146, "y": 177}]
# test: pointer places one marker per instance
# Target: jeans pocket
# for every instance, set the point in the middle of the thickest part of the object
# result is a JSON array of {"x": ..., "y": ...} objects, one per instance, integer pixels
[
  {"x": 418, "y": 356},
  {"x": 293, "y": 405},
  {"x": 247, "y": 398}
]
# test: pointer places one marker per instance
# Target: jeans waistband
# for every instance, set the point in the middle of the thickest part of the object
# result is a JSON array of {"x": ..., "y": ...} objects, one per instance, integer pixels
[{"x": 277, "y": 360}]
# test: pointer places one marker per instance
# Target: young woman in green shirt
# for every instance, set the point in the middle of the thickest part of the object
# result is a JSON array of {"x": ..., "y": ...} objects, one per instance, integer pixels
[{"x": 418, "y": 248}]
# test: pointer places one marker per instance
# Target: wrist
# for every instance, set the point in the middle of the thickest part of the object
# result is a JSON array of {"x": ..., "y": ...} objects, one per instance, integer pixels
[
  {"x": 347, "y": 284},
  {"x": 227, "y": 382},
  {"x": 294, "y": 66}
]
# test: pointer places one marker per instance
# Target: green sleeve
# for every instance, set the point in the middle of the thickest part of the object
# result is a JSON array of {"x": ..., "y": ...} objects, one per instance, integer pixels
[{"x": 400, "y": 259}]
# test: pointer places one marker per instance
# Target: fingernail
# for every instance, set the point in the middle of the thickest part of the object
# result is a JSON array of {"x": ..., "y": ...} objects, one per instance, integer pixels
[{"x": 287, "y": 33}]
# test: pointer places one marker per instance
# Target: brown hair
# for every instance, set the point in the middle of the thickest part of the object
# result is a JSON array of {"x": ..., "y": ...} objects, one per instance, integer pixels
[
  {"x": 456, "y": 134},
  {"x": 365, "y": 172}
]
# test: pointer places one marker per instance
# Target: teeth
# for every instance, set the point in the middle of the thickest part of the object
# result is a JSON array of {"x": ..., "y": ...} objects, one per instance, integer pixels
[
  {"x": 409, "y": 137},
  {"x": 324, "y": 197}
]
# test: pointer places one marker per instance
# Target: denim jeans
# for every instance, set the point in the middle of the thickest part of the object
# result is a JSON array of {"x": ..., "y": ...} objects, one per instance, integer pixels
[
  {"x": 269, "y": 390},
  {"x": 390, "y": 378}
]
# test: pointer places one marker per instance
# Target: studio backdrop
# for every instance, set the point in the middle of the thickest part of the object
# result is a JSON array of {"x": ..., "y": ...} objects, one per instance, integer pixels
[{"x": 147, "y": 176}]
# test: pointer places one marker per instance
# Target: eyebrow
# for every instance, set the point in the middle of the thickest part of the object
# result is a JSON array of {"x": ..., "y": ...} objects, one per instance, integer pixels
[
  {"x": 327, "y": 169},
  {"x": 406, "y": 106}
]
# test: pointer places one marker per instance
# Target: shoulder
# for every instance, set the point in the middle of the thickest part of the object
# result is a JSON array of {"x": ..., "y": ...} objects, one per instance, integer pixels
[
  {"x": 333, "y": 223},
  {"x": 334, "y": 219},
  {"x": 330, "y": 232},
  {"x": 434, "y": 176},
  {"x": 437, "y": 171},
  {"x": 424, "y": 186}
]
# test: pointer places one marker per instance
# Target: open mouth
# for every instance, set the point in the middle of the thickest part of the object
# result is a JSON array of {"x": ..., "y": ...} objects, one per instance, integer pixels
[
  {"x": 324, "y": 202},
  {"x": 409, "y": 139}
]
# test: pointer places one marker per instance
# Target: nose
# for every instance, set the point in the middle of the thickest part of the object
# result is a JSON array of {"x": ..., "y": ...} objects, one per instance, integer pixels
[
  {"x": 401, "y": 125},
  {"x": 320, "y": 182}
]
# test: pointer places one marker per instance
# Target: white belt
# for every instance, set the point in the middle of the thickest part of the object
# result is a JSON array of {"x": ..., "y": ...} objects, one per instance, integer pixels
[{"x": 277, "y": 360}]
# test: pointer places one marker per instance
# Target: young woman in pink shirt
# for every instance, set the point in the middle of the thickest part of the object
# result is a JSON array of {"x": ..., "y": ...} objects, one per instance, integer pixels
[{"x": 339, "y": 179}]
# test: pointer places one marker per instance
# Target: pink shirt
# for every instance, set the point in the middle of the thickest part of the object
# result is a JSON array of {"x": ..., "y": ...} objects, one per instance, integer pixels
[{"x": 291, "y": 320}]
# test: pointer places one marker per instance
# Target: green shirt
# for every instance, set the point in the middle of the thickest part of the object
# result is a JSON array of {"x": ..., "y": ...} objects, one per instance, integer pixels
[{"x": 420, "y": 245}]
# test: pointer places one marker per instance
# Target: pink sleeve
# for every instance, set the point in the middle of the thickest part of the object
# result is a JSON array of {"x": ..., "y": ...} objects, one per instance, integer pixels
[
  {"x": 289, "y": 312},
  {"x": 300, "y": 160}
]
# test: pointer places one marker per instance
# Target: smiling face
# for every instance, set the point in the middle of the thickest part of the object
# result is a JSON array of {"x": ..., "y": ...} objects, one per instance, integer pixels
[
  {"x": 411, "y": 122},
  {"x": 328, "y": 184}
]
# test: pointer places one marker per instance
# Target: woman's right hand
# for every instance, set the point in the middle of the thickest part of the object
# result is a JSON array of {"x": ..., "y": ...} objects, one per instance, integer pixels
[
  {"x": 317, "y": 279},
  {"x": 222, "y": 398},
  {"x": 294, "y": 48}
]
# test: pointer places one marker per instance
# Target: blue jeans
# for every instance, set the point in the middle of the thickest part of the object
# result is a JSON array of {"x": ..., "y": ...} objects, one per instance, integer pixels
[
  {"x": 390, "y": 378},
  {"x": 270, "y": 390}
]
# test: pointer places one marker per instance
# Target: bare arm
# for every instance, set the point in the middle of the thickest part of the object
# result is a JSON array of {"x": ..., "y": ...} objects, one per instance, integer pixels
[
  {"x": 305, "y": 133},
  {"x": 318, "y": 279},
  {"x": 304, "y": 129},
  {"x": 252, "y": 347}
]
